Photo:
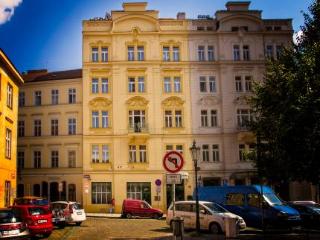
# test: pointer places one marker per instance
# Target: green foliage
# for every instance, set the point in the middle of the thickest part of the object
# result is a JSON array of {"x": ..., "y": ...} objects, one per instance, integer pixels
[{"x": 287, "y": 106}]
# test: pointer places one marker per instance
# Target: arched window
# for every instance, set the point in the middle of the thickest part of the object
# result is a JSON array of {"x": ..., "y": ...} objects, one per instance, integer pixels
[
  {"x": 36, "y": 190},
  {"x": 20, "y": 192},
  {"x": 71, "y": 192}
]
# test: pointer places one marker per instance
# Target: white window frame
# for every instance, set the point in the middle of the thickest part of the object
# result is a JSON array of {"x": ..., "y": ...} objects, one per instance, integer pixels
[
  {"x": 212, "y": 84},
  {"x": 204, "y": 118},
  {"x": 131, "y": 84},
  {"x": 95, "y": 153},
  {"x": 130, "y": 50},
  {"x": 140, "y": 53},
  {"x": 141, "y": 84},
  {"x": 215, "y": 153},
  {"x": 176, "y": 53},
  {"x": 178, "y": 118},
  {"x": 142, "y": 153},
  {"x": 8, "y": 143},
  {"x": 236, "y": 52},
  {"x": 54, "y": 159},
  {"x": 72, "y": 126},
  {"x": 211, "y": 53},
  {"x": 37, "y": 98},
  {"x": 105, "y": 153},
  {"x": 167, "y": 84},
  {"x": 72, "y": 162},
  {"x": 104, "y": 54},
  {"x": 201, "y": 53},
  {"x": 238, "y": 83},
  {"x": 105, "y": 119},
  {"x": 132, "y": 153},
  {"x": 177, "y": 84},
  {"x": 95, "y": 119},
  {"x": 213, "y": 118},
  {"x": 246, "y": 52},
  {"x": 166, "y": 53},
  {"x": 55, "y": 96},
  {"x": 203, "y": 84},
  {"x": 104, "y": 85},
  {"x": 95, "y": 54},
  {"x": 72, "y": 95},
  {"x": 205, "y": 153},
  {"x": 94, "y": 85},
  {"x": 168, "y": 118}
]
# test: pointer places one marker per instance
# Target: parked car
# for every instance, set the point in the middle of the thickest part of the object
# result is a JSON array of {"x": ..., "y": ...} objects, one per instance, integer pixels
[
  {"x": 58, "y": 216},
  {"x": 212, "y": 216},
  {"x": 38, "y": 219},
  {"x": 72, "y": 211},
  {"x": 31, "y": 200},
  {"x": 309, "y": 212},
  {"x": 139, "y": 208},
  {"x": 11, "y": 224},
  {"x": 246, "y": 201}
]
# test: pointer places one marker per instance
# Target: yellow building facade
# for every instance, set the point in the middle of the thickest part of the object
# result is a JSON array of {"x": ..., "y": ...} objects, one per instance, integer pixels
[{"x": 10, "y": 81}]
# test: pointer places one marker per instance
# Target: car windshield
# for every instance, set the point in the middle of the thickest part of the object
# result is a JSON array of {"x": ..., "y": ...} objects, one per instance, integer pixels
[
  {"x": 315, "y": 207},
  {"x": 215, "y": 207},
  {"x": 8, "y": 216},
  {"x": 77, "y": 206},
  {"x": 272, "y": 199},
  {"x": 38, "y": 211}
]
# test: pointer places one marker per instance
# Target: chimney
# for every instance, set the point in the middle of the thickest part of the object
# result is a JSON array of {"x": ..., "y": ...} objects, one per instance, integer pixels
[{"x": 181, "y": 15}]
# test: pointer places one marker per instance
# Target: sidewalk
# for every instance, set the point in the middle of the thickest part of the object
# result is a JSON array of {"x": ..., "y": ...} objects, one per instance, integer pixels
[{"x": 106, "y": 215}]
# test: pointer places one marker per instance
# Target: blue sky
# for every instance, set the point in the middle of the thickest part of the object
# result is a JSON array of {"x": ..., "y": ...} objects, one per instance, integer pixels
[{"x": 47, "y": 33}]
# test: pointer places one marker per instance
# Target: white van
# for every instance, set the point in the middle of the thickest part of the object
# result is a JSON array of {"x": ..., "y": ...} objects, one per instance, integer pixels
[{"x": 212, "y": 216}]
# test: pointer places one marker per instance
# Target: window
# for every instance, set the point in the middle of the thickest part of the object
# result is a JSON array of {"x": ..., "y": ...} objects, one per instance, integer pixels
[
  {"x": 167, "y": 85},
  {"x": 214, "y": 118},
  {"x": 22, "y": 98},
  {"x": 215, "y": 153},
  {"x": 95, "y": 154},
  {"x": 36, "y": 159},
  {"x": 104, "y": 85},
  {"x": 95, "y": 85},
  {"x": 72, "y": 159},
  {"x": 37, "y": 128},
  {"x": 278, "y": 51},
  {"x": 238, "y": 83},
  {"x": 9, "y": 96},
  {"x": 166, "y": 53},
  {"x": 252, "y": 149},
  {"x": 37, "y": 98},
  {"x": 140, "y": 84},
  {"x": 236, "y": 199},
  {"x": 176, "y": 54},
  {"x": 205, "y": 153},
  {"x": 101, "y": 193},
  {"x": 130, "y": 53},
  {"x": 54, "y": 159},
  {"x": 210, "y": 53},
  {"x": 203, "y": 84},
  {"x": 72, "y": 126},
  {"x": 242, "y": 155},
  {"x": 137, "y": 120},
  {"x": 246, "y": 53},
  {"x": 132, "y": 153},
  {"x": 201, "y": 56},
  {"x": 234, "y": 29},
  {"x": 143, "y": 153},
  {"x": 54, "y": 96},
  {"x": 104, "y": 54},
  {"x": 236, "y": 52},
  {"x": 177, "y": 84},
  {"x": 95, "y": 119},
  {"x": 7, "y": 193},
  {"x": 54, "y": 127},
  {"x": 140, "y": 53},
  {"x": 212, "y": 84},
  {"x": 169, "y": 148},
  {"x": 178, "y": 118},
  {"x": 105, "y": 119},
  {"x": 269, "y": 51},
  {"x": 248, "y": 83},
  {"x": 131, "y": 84},
  {"x": 8, "y": 143},
  {"x": 21, "y": 128},
  {"x": 105, "y": 153},
  {"x": 72, "y": 95},
  {"x": 244, "y": 117},
  {"x": 139, "y": 190},
  {"x": 204, "y": 118},
  {"x": 168, "y": 119},
  {"x": 254, "y": 200},
  {"x": 179, "y": 148},
  {"x": 20, "y": 159},
  {"x": 94, "y": 54}
]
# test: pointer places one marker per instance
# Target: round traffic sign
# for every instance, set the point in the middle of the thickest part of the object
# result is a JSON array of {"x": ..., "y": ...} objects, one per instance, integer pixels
[
  {"x": 173, "y": 161},
  {"x": 158, "y": 182}
]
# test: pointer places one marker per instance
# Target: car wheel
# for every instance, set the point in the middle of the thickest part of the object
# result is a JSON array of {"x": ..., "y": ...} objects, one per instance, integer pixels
[
  {"x": 62, "y": 225},
  {"x": 128, "y": 215},
  {"x": 156, "y": 216},
  {"x": 214, "y": 228},
  {"x": 78, "y": 223},
  {"x": 47, "y": 234}
]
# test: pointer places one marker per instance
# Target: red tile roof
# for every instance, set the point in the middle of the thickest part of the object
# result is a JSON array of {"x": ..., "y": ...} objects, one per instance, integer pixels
[{"x": 44, "y": 75}]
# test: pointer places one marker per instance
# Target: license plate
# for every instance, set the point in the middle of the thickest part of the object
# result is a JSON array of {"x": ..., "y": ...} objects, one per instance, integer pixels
[
  {"x": 79, "y": 213},
  {"x": 11, "y": 232},
  {"x": 42, "y": 221}
]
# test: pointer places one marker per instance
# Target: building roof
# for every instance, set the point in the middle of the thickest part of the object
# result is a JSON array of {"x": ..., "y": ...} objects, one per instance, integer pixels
[
  {"x": 10, "y": 68},
  {"x": 44, "y": 75}
]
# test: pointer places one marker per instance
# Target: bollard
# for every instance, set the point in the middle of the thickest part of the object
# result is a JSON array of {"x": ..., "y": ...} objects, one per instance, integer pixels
[
  {"x": 177, "y": 226},
  {"x": 231, "y": 228}
]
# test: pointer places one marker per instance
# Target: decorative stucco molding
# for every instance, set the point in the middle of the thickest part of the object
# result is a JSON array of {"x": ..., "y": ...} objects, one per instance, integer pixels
[
  {"x": 172, "y": 102},
  {"x": 137, "y": 101},
  {"x": 100, "y": 102}
]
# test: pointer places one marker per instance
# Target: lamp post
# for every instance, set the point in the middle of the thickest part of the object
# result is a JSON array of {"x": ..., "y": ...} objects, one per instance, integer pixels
[{"x": 195, "y": 152}]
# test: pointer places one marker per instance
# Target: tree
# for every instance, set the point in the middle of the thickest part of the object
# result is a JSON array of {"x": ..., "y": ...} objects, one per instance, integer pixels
[{"x": 287, "y": 107}]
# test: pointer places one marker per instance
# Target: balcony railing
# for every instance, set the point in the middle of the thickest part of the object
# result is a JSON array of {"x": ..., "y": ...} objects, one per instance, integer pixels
[{"x": 138, "y": 128}]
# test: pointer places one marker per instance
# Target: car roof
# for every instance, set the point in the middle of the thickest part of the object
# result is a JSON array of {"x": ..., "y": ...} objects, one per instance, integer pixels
[
  {"x": 303, "y": 202},
  {"x": 64, "y": 202},
  {"x": 192, "y": 201},
  {"x": 30, "y": 197}
]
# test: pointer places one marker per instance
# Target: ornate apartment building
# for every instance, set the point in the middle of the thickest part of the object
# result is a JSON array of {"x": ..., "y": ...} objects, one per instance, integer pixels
[
  {"x": 150, "y": 85},
  {"x": 10, "y": 82}
]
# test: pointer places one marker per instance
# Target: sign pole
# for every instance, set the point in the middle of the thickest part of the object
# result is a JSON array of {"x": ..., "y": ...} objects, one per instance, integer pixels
[{"x": 174, "y": 199}]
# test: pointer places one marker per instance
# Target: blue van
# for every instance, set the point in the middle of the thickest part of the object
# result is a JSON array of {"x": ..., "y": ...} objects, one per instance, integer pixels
[{"x": 245, "y": 201}]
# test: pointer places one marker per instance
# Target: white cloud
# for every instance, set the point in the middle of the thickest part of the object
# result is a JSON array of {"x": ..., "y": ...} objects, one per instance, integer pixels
[
  {"x": 7, "y": 9},
  {"x": 296, "y": 36}
]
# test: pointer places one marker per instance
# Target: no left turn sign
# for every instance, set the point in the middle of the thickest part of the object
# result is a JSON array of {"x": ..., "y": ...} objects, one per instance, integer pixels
[{"x": 173, "y": 161}]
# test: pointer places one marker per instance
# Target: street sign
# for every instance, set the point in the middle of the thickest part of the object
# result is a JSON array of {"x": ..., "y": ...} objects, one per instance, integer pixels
[
  {"x": 158, "y": 182},
  {"x": 158, "y": 189},
  {"x": 173, "y": 178},
  {"x": 173, "y": 161}
]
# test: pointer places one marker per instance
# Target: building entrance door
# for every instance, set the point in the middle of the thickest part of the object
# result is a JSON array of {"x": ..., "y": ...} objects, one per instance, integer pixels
[{"x": 179, "y": 193}]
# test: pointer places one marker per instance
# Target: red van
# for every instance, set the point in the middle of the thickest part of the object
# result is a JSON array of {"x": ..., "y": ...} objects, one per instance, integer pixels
[
  {"x": 139, "y": 208},
  {"x": 37, "y": 218}
]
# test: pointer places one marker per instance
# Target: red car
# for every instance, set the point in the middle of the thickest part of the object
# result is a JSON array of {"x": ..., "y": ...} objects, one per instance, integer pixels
[
  {"x": 139, "y": 208},
  {"x": 11, "y": 224},
  {"x": 37, "y": 218}
]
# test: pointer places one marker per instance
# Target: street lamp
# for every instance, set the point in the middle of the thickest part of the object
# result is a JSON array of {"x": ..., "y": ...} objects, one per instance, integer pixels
[{"x": 195, "y": 152}]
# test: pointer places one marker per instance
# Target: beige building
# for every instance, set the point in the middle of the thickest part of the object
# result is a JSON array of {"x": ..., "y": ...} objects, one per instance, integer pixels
[
  {"x": 149, "y": 85},
  {"x": 49, "y": 154},
  {"x": 10, "y": 82}
]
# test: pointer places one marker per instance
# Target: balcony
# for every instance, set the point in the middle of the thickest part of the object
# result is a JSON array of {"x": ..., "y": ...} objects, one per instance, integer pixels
[{"x": 138, "y": 128}]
